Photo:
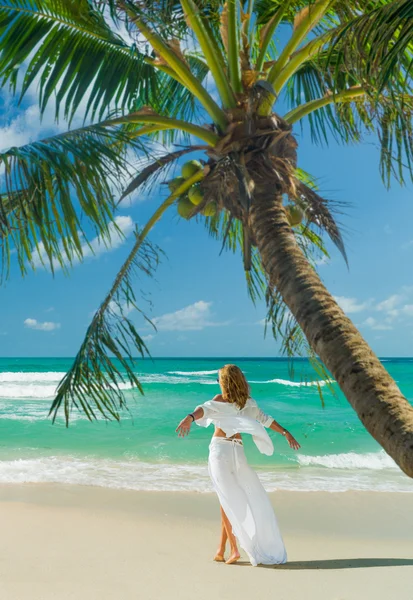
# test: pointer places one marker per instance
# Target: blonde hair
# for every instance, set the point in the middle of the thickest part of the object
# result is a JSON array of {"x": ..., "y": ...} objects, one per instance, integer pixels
[{"x": 235, "y": 388}]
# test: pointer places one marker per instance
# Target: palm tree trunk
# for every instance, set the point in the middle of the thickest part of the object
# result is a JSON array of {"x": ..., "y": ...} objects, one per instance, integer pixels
[{"x": 383, "y": 410}]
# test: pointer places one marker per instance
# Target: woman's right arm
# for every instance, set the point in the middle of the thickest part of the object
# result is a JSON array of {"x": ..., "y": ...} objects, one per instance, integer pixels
[{"x": 184, "y": 426}]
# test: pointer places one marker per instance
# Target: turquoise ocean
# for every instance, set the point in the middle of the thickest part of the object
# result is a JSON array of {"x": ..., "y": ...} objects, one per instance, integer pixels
[{"x": 143, "y": 452}]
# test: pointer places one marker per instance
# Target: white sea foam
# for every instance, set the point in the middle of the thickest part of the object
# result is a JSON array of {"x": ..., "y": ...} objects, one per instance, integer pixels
[
  {"x": 376, "y": 461},
  {"x": 27, "y": 391},
  {"x": 31, "y": 377},
  {"x": 40, "y": 392},
  {"x": 42, "y": 385},
  {"x": 172, "y": 379},
  {"x": 137, "y": 475},
  {"x": 43, "y": 389},
  {"x": 186, "y": 373},
  {"x": 295, "y": 383}
]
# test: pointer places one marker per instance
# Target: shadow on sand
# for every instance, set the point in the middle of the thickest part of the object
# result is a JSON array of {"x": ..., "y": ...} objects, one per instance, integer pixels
[{"x": 336, "y": 563}]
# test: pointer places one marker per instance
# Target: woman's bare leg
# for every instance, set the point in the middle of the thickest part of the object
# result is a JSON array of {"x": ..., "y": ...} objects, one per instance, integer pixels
[
  {"x": 235, "y": 555},
  {"x": 219, "y": 556}
]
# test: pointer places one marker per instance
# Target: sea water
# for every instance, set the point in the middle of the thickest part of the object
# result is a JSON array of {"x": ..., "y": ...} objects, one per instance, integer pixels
[{"x": 143, "y": 452}]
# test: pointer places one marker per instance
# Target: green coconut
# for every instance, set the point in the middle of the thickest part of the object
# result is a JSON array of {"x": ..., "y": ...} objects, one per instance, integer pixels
[
  {"x": 190, "y": 168},
  {"x": 210, "y": 210},
  {"x": 294, "y": 214},
  {"x": 185, "y": 208},
  {"x": 195, "y": 194},
  {"x": 175, "y": 183}
]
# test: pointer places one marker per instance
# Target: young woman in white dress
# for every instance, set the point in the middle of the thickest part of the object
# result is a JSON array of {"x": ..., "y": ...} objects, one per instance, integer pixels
[{"x": 246, "y": 511}]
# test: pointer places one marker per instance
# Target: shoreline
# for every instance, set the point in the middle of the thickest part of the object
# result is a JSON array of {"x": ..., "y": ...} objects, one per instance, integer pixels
[
  {"x": 85, "y": 542},
  {"x": 133, "y": 475},
  {"x": 290, "y": 507}
]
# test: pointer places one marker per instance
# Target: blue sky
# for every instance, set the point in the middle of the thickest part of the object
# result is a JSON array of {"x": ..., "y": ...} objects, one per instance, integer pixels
[{"x": 200, "y": 302}]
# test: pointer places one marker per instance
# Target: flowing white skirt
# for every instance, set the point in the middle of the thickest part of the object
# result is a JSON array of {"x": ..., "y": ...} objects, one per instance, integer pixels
[{"x": 245, "y": 503}]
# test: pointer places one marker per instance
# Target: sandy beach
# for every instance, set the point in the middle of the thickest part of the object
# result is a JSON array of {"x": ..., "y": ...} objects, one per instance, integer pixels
[{"x": 78, "y": 542}]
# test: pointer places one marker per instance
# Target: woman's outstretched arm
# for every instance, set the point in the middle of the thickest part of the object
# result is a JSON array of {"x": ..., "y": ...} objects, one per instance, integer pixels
[
  {"x": 184, "y": 426},
  {"x": 280, "y": 429},
  {"x": 271, "y": 423}
]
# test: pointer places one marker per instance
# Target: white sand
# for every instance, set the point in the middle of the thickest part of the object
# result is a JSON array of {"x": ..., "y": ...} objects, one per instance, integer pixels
[{"x": 72, "y": 542}]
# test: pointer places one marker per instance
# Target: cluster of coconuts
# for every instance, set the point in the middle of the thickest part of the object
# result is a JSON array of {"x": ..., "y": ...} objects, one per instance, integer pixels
[
  {"x": 194, "y": 195},
  {"x": 295, "y": 214}
]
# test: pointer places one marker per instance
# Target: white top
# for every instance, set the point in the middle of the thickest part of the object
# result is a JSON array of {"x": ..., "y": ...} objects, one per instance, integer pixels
[{"x": 250, "y": 419}]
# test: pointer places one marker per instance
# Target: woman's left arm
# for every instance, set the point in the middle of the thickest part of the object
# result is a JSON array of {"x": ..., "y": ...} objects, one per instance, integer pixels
[
  {"x": 290, "y": 439},
  {"x": 271, "y": 423},
  {"x": 184, "y": 426}
]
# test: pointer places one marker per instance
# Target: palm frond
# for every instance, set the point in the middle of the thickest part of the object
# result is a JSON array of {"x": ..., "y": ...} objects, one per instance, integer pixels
[
  {"x": 69, "y": 47},
  {"x": 95, "y": 378},
  {"x": 388, "y": 114},
  {"x": 147, "y": 176},
  {"x": 377, "y": 43},
  {"x": 105, "y": 363},
  {"x": 229, "y": 232},
  {"x": 319, "y": 212},
  {"x": 211, "y": 51},
  {"x": 167, "y": 16},
  {"x": 265, "y": 10},
  {"x": 169, "y": 53},
  {"x": 316, "y": 80},
  {"x": 52, "y": 187}
]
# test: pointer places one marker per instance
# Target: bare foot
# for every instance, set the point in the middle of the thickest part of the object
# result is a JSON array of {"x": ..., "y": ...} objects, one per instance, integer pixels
[
  {"x": 219, "y": 557},
  {"x": 233, "y": 558}
]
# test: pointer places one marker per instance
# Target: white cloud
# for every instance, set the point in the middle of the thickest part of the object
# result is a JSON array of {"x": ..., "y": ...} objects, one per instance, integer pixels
[
  {"x": 24, "y": 128},
  {"x": 117, "y": 238},
  {"x": 374, "y": 324},
  {"x": 195, "y": 317},
  {"x": 351, "y": 305},
  {"x": 125, "y": 309},
  {"x": 148, "y": 338},
  {"x": 390, "y": 304},
  {"x": 392, "y": 314},
  {"x": 45, "y": 326},
  {"x": 407, "y": 309},
  {"x": 28, "y": 125},
  {"x": 97, "y": 246}
]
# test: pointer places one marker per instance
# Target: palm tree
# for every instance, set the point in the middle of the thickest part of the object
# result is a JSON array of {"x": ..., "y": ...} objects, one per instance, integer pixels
[{"x": 149, "y": 72}]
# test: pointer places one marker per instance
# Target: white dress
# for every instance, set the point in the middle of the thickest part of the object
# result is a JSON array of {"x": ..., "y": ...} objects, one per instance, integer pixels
[{"x": 238, "y": 487}]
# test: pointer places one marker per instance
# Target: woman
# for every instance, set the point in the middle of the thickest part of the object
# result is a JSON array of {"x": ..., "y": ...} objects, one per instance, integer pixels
[{"x": 246, "y": 510}]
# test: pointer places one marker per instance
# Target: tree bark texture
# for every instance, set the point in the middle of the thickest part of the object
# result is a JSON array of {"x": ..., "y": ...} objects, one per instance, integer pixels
[{"x": 374, "y": 395}]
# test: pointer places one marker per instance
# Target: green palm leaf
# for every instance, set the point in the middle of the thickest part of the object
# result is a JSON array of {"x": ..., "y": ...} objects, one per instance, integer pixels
[
  {"x": 69, "y": 47},
  {"x": 105, "y": 360},
  {"x": 95, "y": 378},
  {"x": 378, "y": 44},
  {"x": 54, "y": 187},
  {"x": 148, "y": 176}
]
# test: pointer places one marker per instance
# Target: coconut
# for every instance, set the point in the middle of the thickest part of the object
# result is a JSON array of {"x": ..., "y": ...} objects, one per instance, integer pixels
[
  {"x": 210, "y": 210},
  {"x": 190, "y": 168},
  {"x": 175, "y": 183},
  {"x": 195, "y": 194},
  {"x": 294, "y": 214},
  {"x": 185, "y": 208}
]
